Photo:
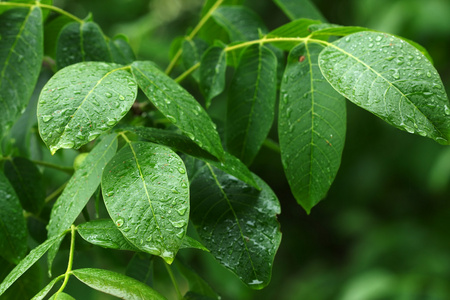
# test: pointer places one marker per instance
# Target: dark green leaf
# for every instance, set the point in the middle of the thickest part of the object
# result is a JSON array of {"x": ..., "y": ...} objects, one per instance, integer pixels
[
  {"x": 192, "y": 54},
  {"x": 82, "y": 101},
  {"x": 79, "y": 190},
  {"x": 194, "y": 296},
  {"x": 236, "y": 222},
  {"x": 391, "y": 79},
  {"x": 26, "y": 286},
  {"x": 121, "y": 51},
  {"x": 212, "y": 73},
  {"x": 51, "y": 32},
  {"x": 178, "y": 142},
  {"x": 41, "y": 295},
  {"x": 140, "y": 268},
  {"x": 251, "y": 102},
  {"x": 27, "y": 182},
  {"x": 178, "y": 106},
  {"x": 13, "y": 230},
  {"x": 79, "y": 42},
  {"x": 196, "y": 283},
  {"x": 145, "y": 188},
  {"x": 296, "y": 28},
  {"x": 296, "y": 9},
  {"x": 21, "y": 53},
  {"x": 116, "y": 284},
  {"x": 190, "y": 243},
  {"x": 311, "y": 126}
]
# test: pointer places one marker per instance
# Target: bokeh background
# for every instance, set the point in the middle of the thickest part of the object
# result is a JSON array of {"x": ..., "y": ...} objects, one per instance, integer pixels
[{"x": 383, "y": 231}]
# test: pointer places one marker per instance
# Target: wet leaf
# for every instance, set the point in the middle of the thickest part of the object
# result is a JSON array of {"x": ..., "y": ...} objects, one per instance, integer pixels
[
  {"x": 390, "y": 78},
  {"x": 21, "y": 53},
  {"x": 145, "y": 188},
  {"x": 82, "y": 101},
  {"x": 192, "y": 54},
  {"x": 196, "y": 284},
  {"x": 212, "y": 73},
  {"x": 42, "y": 293},
  {"x": 236, "y": 222},
  {"x": 121, "y": 52},
  {"x": 296, "y": 28},
  {"x": 296, "y": 9},
  {"x": 116, "y": 284},
  {"x": 251, "y": 102},
  {"x": 190, "y": 243},
  {"x": 141, "y": 268},
  {"x": 178, "y": 106},
  {"x": 311, "y": 126},
  {"x": 26, "y": 285}
]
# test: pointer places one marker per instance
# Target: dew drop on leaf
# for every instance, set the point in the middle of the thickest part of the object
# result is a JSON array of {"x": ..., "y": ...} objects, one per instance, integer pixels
[
  {"x": 108, "y": 95},
  {"x": 181, "y": 170},
  {"x": 120, "y": 222}
]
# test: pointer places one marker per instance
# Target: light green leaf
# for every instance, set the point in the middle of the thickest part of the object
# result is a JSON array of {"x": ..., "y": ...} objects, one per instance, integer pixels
[
  {"x": 296, "y": 9},
  {"x": 296, "y": 28},
  {"x": 116, "y": 284},
  {"x": 13, "y": 230},
  {"x": 178, "y": 142},
  {"x": 391, "y": 79},
  {"x": 27, "y": 262},
  {"x": 79, "y": 42},
  {"x": 236, "y": 222},
  {"x": 209, "y": 3},
  {"x": 192, "y": 54},
  {"x": 82, "y": 101},
  {"x": 21, "y": 53},
  {"x": 190, "y": 243},
  {"x": 145, "y": 188},
  {"x": 79, "y": 190},
  {"x": 61, "y": 296},
  {"x": 212, "y": 73},
  {"x": 178, "y": 106},
  {"x": 196, "y": 283},
  {"x": 311, "y": 126},
  {"x": 121, "y": 51},
  {"x": 251, "y": 102},
  {"x": 27, "y": 182},
  {"x": 41, "y": 295}
]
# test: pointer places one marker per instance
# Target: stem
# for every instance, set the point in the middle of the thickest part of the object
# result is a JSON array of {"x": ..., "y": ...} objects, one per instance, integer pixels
[
  {"x": 122, "y": 133},
  {"x": 69, "y": 170},
  {"x": 69, "y": 265},
  {"x": 272, "y": 145},
  {"x": 174, "y": 282},
  {"x": 50, "y": 7},
  {"x": 187, "y": 72},
  {"x": 56, "y": 192}
]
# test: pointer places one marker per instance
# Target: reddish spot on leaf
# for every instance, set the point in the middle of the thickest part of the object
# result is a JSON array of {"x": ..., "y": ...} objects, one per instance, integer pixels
[{"x": 301, "y": 58}]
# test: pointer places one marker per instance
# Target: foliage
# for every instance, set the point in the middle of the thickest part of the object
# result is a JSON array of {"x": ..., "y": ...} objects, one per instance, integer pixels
[{"x": 151, "y": 159}]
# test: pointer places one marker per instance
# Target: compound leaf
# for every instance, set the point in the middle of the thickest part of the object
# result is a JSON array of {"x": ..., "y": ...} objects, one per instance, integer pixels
[
  {"x": 390, "y": 78},
  {"x": 311, "y": 126},
  {"x": 212, "y": 72}
]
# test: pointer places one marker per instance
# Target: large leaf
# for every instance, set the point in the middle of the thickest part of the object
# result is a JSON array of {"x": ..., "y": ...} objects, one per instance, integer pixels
[
  {"x": 178, "y": 142},
  {"x": 390, "y": 78},
  {"x": 212, "y": 72},
  {"x": 145, "y": 188},
  {"x": 178, "y": 106},
  {"x": 296, "y": 28},
  {"x": 27, "y": 182},
  {"x": 78, "y": 42},
  {"x": 116, "y": 284},
  {"x": 311, "y": 126},
  {"x": 82, "y": 101},
  {"x": 296, "y": 9},
  {"x": 251, "y": 102},
  {"x": 21, "y": 53},
  {"x": 236, "y": 222},
  {"x": 79, "y": 190},
  {"x": 13, "y": 230}
]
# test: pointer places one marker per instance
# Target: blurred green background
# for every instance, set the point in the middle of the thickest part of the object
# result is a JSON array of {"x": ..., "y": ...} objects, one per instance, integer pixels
[{"x": 383, "y": 230}]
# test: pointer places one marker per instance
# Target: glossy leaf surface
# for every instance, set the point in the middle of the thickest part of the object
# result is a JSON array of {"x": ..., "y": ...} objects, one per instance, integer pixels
[
  {"x": 391, "y": 79},
  {"x": 121, "y": 52},
  {"x": 236, "y": 222},
  {"x": 21, "y": 53},
  {"x": 42, "y": 293},
  {"x": 82, "y": 101},
  {"x": 178, "y": 106},
  {"x": 296, "y": 9},
  {"x": 311, "y": 126},
  {"x": 251, "y": 102},
  {"x": 192, "y": 54},
  {"x": 61, "y": 296},
  {"x": 116, "y": 284},
  {"x": 212, "y": 73},
  {"x": 145, "y": 188}
]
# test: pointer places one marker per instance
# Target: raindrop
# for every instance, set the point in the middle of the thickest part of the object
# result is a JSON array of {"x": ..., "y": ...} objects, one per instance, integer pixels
[
  {"x": 181, "y": 170},
  {"x": 378, "y": 38},
  {"x": 184, "y": 185},
  {"x": 108, "y": 95},
  {"x": 181, "y": 211},
  {"x": 370, "y": 45},
  {"x": 446, "y": 110},
  {"x": 92, "y": 136},
  {"x": 119, "y": 222},
  {"x": 66, "y": 145},
  {"x": 171, "y": 118},
  {"x": 178, "y": 224},
  {"x": 180, "y": 234},
  {"x": 111, "y": 122},
  {"x": 121, "y": 98},
  {"x": 47, "y": 118},
  {"x": 428, "y": 74}
]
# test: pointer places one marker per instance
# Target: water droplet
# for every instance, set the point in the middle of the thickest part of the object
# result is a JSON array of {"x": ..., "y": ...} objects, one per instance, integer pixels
[
  {"x": 378, "y": 38},
  {"x": 121, "y": 98},
  {"x": 149, "y": 239},
  {"x": 370, "y": 45},
  {"x": 111, "y": 122},
  {"x": 67, "y": 145},
  {"x": 427, "y": 94},
  {"x": 108, "y": 95},
  {"x": 347, "y": 39},
  {"x": 184, "y": 185},
  {"x": 120, "y": 222},
  {"x": 180, "y": 234},
  {"x": 182, "y": 210},
  {"x": 179, "y": 224},
  {"x": 446, "y": 110},
  {"x": 47, "y": 118},
  {"x": 93, "y": 135},
  {"x": 428, "y": 74},
  {"x": 171, "y": 119},
  {"x": 181, "y": 170}
]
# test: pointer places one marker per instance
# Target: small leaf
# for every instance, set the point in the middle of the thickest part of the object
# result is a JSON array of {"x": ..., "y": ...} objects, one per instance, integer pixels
[
  {"x": 61, "y": 296},
  {"x": 141, "y": 268},
  {"x": 121, "y": 52},
  {"x": 178, "y": 106},
  {"x": 79, "y": 42},
  {"x": 212, "y": 73},
  {"x": 192, "y": 54},
  {"x": 196, "y": 283},
  {"x": 41, "y": 295},
  {"x": 13, "y": 230},
  {"x": 116, "y": 284},
  {"x": 82, "y": 101},
  {"x": 296, "y": 28},
  {"x": 251, "y": 102},
  {"x": 52, "y": 28},
  {"x": 311, "y": 126},
  {"x": 21, "y": 53},
  {"x": 296, "y": 9},
  {"x": 391, "y": 79},
  {"x": 145, "y": 188},
  {"x": 190, "y": 243},
  {"x": 27, "y": 182},
  {"x": 236, "y": 222},
  {"x": 26, "y": 285},
  {"x": 79, "y": 190}
]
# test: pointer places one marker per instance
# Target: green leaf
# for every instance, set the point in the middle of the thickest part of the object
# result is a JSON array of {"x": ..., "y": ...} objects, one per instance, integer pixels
[
  {"x": 27, "y": 182},
  {"x": 82, "y": 101},
  {"x": 52, "y": 29},
  {"x": 79, "y": 42},
  {"x": 79, "y": 189},
  {"x": 296, "y": 9},
  {"x": 190, "y": 243},
  {"x": 178, "y": 106},
  {"x": 13, "y": 230},
  {"x": 391, "y": 79},
  {"x": 121, "y": 51},
  {"x": 145, "y": 188},
  {"x": 26, "y": 286},
  {"x": 140, "y": 268},
  {"x": 178, "y": 142},
  {"x": 251, "y": 102},
  {"x": 28, "y": 261},
  {"x": 236, "y": 222},
  {"x": 296, "y": 28},
  {"x": 116, "y": 284},
  {"x": 212, "y": 73},
  {"x": 41, "y": 295},
  {"x": 311, "y": 126},
  {"x": 21, "y": 53},
  {"x": 196, "y": 283},
  {"x": 192, "y": 54},
  {"x": 104, "y": 233},
  {"x": 61, "y": 296}
]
